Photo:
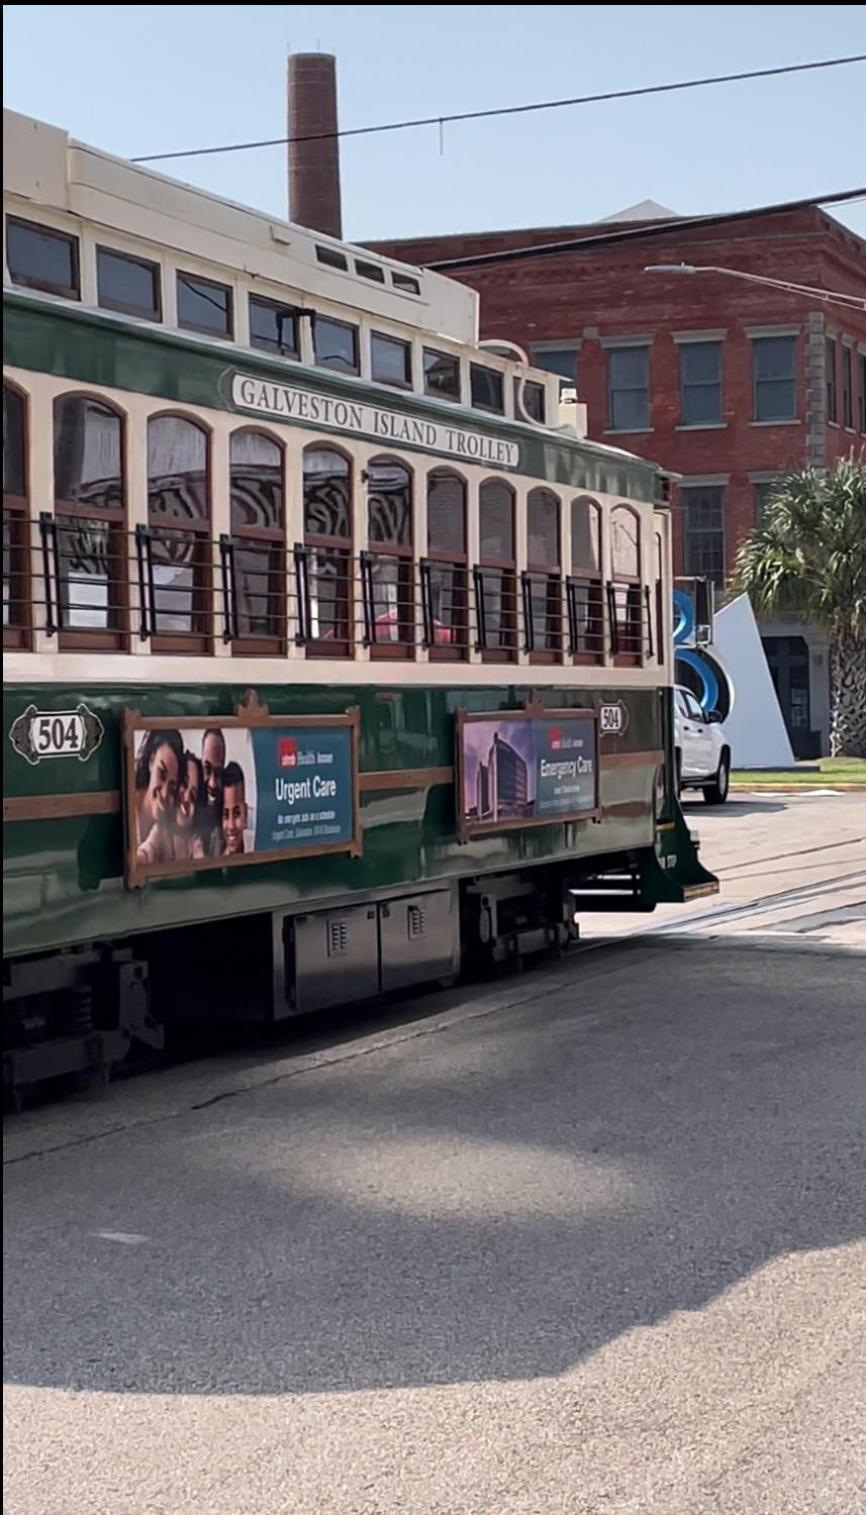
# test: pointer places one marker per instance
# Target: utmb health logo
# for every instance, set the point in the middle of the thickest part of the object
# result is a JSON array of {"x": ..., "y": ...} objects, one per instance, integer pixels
[
  {"x": 560, "y": 743},
  {"x": 287, "y": 752},
  {"x": 289, "y": 755}
]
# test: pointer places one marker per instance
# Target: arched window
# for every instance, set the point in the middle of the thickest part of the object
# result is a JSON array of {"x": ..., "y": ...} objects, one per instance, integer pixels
[
  {"x": 585, "y": 588},
  {"x": 258, "y": 543},
  {"x": 496, "y": 576},
  {"x": 586, "y": 536},
  {"x": 446, "y": 630},
  {"x": 389, "y": 581},
  {"x": 16, "y": 522},
  {"x": 325, "y": 566},
  {"x": 89, "y": 523},
  {"x": 179, "y": 542},
  {"x": 543, "y": 579},
  {"x": 625, "y": 586}
]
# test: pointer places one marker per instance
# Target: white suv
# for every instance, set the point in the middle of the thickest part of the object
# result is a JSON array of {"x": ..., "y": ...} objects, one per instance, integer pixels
[{"x": 702, "y": 753}]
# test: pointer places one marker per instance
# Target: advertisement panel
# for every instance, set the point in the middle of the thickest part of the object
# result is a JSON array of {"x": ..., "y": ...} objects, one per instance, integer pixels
[
  {"x": 219, "y": 792},
  {"x": 525, "y": 768}
]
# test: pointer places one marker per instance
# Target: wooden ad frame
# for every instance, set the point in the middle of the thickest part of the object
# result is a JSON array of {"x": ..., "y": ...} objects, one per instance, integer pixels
[
  {"x": 532, "y": 711},
  {"x": 248, "y": 715}
]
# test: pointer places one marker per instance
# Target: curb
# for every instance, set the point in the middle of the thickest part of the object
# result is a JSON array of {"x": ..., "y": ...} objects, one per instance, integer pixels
[{"x": 810, "y": 788}]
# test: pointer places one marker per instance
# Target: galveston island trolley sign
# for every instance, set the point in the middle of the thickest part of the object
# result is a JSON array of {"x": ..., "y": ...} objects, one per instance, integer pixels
[{"x": 282, "y": 402}]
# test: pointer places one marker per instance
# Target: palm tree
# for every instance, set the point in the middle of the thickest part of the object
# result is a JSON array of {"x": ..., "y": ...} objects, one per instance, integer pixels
[{"x": 807, "y": 556}]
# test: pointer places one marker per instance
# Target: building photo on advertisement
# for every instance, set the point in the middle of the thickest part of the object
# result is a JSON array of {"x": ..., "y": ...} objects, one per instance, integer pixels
[{"x": 524, "y": 768}]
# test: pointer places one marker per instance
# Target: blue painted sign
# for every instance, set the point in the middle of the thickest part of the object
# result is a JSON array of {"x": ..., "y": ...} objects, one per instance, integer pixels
[
  {"x": 305, "y": 785},
  {"x": 709, "y": 684}
]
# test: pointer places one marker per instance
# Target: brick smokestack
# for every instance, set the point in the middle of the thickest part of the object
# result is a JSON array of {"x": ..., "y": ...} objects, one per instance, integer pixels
[{"x": 314, "y": 166}]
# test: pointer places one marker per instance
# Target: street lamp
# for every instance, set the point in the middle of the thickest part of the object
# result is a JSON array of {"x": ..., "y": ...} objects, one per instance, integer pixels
[{"x": 830, "y": 296}]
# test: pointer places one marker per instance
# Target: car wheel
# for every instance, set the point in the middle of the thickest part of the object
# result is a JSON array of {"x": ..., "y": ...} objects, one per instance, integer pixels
[{"x": 717, "y": 792}]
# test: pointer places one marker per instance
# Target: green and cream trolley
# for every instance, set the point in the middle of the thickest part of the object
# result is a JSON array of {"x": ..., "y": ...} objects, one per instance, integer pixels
[{"x": 335, "y": 657}]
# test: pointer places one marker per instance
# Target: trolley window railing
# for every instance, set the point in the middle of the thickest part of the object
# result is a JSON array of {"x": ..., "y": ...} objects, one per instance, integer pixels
[
  {"x": 445, "y": 608},
  {"x": 92, "y": 584},
  {"x": 255, "y": 595},
  {"x": 543, "y": 615},
  {"x": 177, "y": 590},
  {"x": 16, "y": 579},
  {"x": 497, "y": 613},
  {"x": 389, "y": 599},
  {"x": 630, "y": 623},
  {"x": 325, "y": 600},
  {"x": 88, "y": 566},
  {"x": 586, "y": 621}
]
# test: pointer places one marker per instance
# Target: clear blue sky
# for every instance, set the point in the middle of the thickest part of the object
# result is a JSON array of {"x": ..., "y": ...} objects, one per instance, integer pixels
[{"x": 145, "y": 78}]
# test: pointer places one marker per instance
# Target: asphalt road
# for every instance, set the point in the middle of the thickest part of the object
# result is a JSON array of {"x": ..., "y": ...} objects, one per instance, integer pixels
[{"x": 589, "y": 1242}]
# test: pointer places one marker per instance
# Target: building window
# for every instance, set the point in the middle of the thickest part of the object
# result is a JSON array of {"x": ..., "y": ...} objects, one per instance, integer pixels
[
  {"x": 445, "y": 572},
  {"x": 830, "y": 366},
  {"x": 273, "y": 327},
  {"x": 406, "y": 283},
  {"x": 487, "y": 388},
  {"x": 390, "y": 360},
  {"x": 179, "y": 545},
  {"x": 585, "y": 589},
  {"x": 336, "y": 344},
  {"x": 389, "y": 582},
  {"x": 441, "y": 374},
  {"x": 496, "y": 577},
  {"x": 128, "y": 284},
  {"x": 704, "y": 532},
  {"x": 204, "y": 306},
  {"x": 775, "y": 383},
  {"x": 532, "y": 396},
  {"x": 327, "y": 563},
  {"x": 847, "y": 397},
  {"x": 628, "y": 388},
  {"x": 41, "y": 258},
  {"x": 861, "y": 364},
  {"x": 542, "y": 581},
  {"x": 763, "y": 495},
  {"x": 258, "y": 557},
  {"x": 89, "y": 522},
  {"x": 16, "y": 523},
  {"x": 559, "y": 360},
  {"x": 700, "y": 383},
  {"x": 625, "y": 588}
]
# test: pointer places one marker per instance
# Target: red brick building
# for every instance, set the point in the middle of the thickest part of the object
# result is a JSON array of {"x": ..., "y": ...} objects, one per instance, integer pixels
[{"x": 726, "y": 382}]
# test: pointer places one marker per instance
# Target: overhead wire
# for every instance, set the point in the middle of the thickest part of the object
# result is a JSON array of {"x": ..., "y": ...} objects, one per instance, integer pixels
[
  {"x": 449, "y": 118},
  {"x": 607, "y": 236}
]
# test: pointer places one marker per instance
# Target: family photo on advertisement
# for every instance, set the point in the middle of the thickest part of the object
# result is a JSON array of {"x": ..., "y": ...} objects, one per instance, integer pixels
[{"x": 194, "y": 795}]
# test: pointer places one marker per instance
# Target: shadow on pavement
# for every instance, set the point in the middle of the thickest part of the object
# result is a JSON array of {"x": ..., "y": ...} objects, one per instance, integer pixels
[
  {"x": 491, "y": 1200},
  {"x": 747, "y": 805}
]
